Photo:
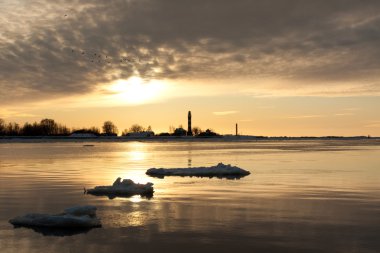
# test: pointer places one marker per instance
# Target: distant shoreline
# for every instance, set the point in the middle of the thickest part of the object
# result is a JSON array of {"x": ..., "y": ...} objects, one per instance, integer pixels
[{"x": 26, "y": 139}]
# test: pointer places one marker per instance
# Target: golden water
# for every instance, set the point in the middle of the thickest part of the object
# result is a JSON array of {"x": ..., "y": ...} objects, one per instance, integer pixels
[{"x": 301, "y": 196}]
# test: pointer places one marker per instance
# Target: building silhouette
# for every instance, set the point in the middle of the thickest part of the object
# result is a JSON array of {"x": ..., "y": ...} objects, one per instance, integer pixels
[{"x": 189, "y": 132}]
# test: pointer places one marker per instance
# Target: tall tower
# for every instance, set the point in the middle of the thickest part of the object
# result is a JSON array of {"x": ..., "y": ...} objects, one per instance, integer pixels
[
  {"x": 236, "y": 130},
  {"x": 189, "y": 132}
]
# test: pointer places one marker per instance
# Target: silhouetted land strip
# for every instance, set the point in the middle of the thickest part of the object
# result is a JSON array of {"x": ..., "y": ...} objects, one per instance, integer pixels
[{"x": 178, "y": 138}]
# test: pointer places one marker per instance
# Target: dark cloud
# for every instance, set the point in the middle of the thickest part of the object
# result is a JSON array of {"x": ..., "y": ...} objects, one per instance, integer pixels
[{"x": 42, "y": 43}]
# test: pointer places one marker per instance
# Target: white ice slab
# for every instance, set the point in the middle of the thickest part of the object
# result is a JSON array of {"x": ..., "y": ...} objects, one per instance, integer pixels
[
  {"x": 219, "y": 170},
  {"x": 75, "y": 217},
  {"x": 125, "y": 187}
]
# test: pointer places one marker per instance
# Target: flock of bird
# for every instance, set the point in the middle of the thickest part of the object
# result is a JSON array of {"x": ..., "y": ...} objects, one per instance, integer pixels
[{"x": 95, "y": 57}]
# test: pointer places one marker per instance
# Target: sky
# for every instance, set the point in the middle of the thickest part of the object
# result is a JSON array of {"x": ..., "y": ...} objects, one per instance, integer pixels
[{"x": 275, "y": 67}]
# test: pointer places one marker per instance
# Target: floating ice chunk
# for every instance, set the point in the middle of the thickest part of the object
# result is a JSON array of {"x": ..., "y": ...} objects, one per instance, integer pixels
[
  {"x": 220, "y": 170},
  {"x": 125, "y": 187},
  {"x": 75, "y": 217}
]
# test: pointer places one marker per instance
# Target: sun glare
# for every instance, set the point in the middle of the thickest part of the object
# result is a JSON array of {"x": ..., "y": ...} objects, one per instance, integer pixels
[{"x": 136, "y": 91}]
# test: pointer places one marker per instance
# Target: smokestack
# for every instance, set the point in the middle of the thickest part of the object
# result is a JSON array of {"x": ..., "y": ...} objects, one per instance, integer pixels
[
  {"x": 189, "y": 132},
  {"x": 236, "y": 129}
]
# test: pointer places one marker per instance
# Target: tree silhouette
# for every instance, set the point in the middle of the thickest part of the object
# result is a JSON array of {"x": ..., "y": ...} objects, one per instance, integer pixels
[
  {"x": 196, "y": 130},
  {"x": 171, "y": 129},
  {"x": 49, "y": 127},
  {"x": 91, "y": 130},
  {"x": 109, "y": 128},
  {"x": 209, "y": 133},
  {"x": 136, "y": 128},
  {"x": 12, "y": 129},
  {"x": 179, "y": 132},
  {"x": 2, "y": 127}
]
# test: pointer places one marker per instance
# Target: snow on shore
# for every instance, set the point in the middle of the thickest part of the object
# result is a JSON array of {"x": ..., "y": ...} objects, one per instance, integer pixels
[
  {"x": 125, "y": 187},
  {"x": 220, "y": 170},
  {"x": 74, "y": 217}
]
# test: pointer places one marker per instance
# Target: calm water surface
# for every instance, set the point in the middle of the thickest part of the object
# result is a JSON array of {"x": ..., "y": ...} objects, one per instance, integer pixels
[{"x": 316, "y": 196}]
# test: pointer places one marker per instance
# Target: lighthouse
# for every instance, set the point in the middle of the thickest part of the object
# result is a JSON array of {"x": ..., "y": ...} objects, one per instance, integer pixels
[{"x": 189, "y": 132}]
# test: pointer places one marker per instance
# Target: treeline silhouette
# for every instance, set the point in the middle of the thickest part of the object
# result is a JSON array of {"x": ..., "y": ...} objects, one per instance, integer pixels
[{"x": 48, "y": 127}]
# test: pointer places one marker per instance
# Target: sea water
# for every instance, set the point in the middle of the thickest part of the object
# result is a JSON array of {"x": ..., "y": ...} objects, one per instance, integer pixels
[{"x": 301, "y": 196}]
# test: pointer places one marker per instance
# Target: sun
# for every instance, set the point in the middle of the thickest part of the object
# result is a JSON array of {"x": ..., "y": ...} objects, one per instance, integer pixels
[{"x": 135, "y": 90}]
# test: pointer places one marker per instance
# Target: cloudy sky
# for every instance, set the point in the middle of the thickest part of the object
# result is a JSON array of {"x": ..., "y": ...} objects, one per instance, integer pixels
[{"x": 276, "y": 67}]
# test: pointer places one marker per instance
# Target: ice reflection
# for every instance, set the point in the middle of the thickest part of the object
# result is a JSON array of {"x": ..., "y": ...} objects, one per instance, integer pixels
[
  {"x": 61, "y": 232},
  {"x": 124, "y": 195},
  {"x": 229, "y": 177}
]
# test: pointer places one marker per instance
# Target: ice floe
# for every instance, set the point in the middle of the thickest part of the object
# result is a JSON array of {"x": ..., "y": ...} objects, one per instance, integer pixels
[
  {"x": 220, "y": 170},
  {"x": 123, "y": 188},
  {"x": 75, "y": 217}
]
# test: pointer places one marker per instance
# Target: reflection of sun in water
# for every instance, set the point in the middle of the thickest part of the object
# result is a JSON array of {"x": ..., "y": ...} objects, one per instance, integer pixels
[
  {"x": 137, "y": 218},
  {"x": 134, "y": 90},
  {"x": 128, "y": 219},
  {"x": 135, "y": 199},
  {"x": 136, "y": 155}
]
